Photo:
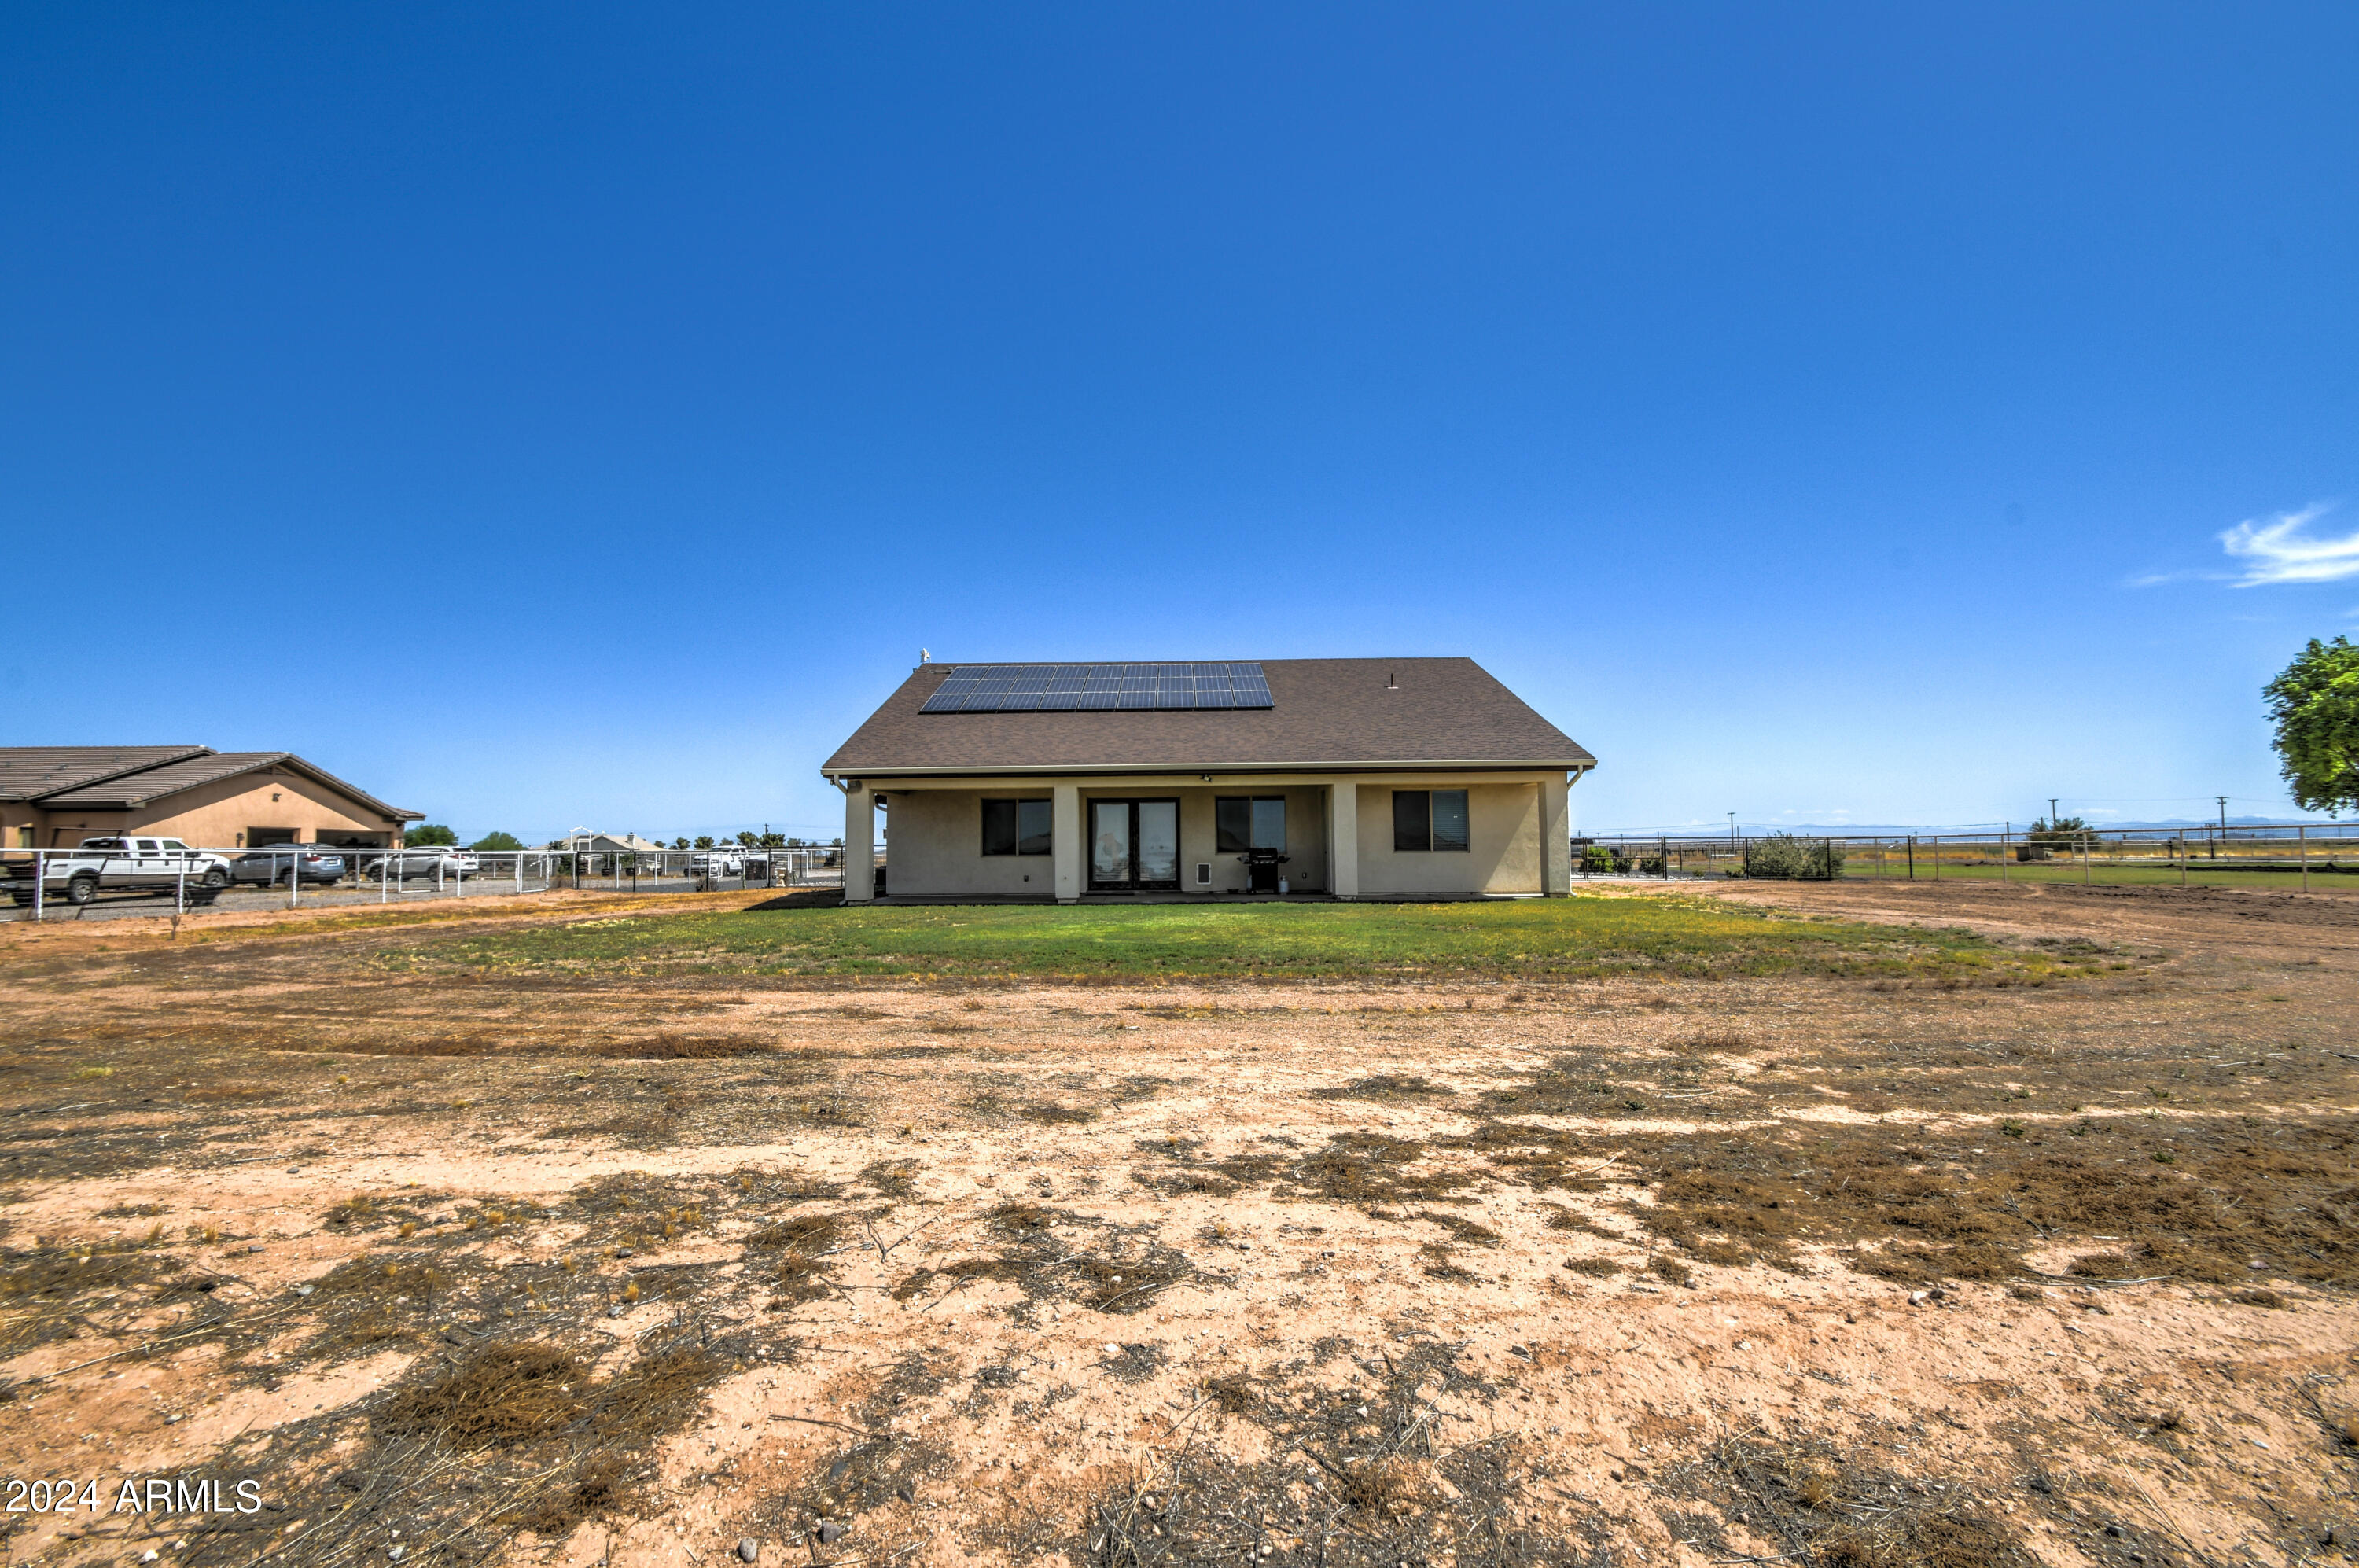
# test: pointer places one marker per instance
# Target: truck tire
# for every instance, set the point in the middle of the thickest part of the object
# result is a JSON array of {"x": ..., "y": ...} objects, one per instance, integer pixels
[
  {"x": 216, "y": 879},
  {"x": 81, "y": 889}
]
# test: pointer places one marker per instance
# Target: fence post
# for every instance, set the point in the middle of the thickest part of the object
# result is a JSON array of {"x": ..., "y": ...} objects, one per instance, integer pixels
[
  {"x": 1937, "y": 858},
  {"x": 2006, "y": 848},
  {"x": 39, "y": 878},
  {"x": 2182, "y": 857},
  {"x": 294, "y": 878},
  {"x": 1912, "y": 858},
  {"x": 2301, "y": 836}
]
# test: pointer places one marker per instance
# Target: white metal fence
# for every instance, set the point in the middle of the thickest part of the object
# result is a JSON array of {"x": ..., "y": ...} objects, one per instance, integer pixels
[{"x": 161, "y": 873}]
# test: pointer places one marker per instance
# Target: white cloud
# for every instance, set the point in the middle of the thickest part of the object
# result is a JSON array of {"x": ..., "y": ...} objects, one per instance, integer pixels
[{"x": 2282, "y": 551}]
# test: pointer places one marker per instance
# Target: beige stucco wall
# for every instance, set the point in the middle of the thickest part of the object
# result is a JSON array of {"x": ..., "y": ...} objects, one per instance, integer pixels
[
  {"x": 216, "y": 815},
  {"x": 1503, "y": 826},
  {"x": 1306, "y": 833},
  {"x": 936, "y": 836},
  {"x": 933, "y": 842},
  {"x": 935, "y": 839}
]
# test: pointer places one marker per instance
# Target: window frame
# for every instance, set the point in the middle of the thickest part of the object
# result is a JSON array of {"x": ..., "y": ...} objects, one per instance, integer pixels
[
  {"x": 1424, "y": 826},
  {"x": 1016, "y": 836},
  {"x": 1221, "y": 844}
]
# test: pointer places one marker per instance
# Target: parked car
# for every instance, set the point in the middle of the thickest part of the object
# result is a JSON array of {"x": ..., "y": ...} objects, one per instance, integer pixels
[
  {"x": 423, "y": 860},
  {"x": 275, "y": 863},
  {"x": 721, "y": 860},
  {"x": 142, "y": 864}
]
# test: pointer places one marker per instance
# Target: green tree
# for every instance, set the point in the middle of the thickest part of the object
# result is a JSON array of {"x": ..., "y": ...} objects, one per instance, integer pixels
[
  {"x": 429, "y": 833},
  {"x": 2063, "y": 830},
  {"x": 2314, "y": 702},
  {"x": 497, "y": 841},
  {"x": 774, "y": 840},
  {"x": 703, "y": 840},
  {"x": 744, "y": 839},
  {"x": 679, "y": 843}
]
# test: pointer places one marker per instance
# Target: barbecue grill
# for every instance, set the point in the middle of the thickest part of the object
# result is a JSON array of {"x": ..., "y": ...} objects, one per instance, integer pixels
[{"x": 1261, "y": 869}]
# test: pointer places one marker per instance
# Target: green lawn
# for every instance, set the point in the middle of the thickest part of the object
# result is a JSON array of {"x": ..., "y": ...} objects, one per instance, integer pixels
[{"x": 1556, "y": 939}]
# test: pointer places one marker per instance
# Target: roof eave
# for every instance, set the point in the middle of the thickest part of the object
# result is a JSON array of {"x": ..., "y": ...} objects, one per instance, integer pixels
[{"x": 1568, "y": 764}]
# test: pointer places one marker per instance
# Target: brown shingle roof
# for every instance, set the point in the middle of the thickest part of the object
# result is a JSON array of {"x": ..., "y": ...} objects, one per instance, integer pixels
[
  {"x": 27, "y": 772},
  {"x": 186, "y": 773},
  {"x": 1325, "y": 713}
]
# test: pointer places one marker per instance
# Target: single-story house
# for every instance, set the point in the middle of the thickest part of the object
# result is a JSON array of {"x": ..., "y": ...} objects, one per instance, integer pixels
[
  {"x": 1350, "y": 778},
  {"x": 582, "y": 841},
  {"x": 54, "y": 795}
]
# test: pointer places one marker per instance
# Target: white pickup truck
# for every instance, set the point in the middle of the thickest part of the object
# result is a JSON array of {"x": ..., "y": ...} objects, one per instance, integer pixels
[{"x": 146, "y": 865}]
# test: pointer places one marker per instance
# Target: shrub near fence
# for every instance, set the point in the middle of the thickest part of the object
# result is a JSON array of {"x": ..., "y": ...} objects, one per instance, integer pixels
[{"x": 1782, "y": 856}]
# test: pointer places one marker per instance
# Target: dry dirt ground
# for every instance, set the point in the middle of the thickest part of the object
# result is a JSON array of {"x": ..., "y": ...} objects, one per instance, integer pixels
[{"x": 481, "y": 1267}]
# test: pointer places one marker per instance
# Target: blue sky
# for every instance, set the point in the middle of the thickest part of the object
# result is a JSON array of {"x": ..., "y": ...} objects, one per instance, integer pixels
[{"x": 583, "y": 414}]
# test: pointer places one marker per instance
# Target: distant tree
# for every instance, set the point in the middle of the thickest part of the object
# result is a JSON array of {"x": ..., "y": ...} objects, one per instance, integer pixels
[
  {"x": 679, "y": 843},
  {"x": 744, "y": 839},
  {"x": 774, "y": 840},
  {"x": 497, "y": 841},
  {"x": 2314, "y": 702},
  {"x": 2063, "y": 830},
  {"x": 704, "y": 841},
  {"x": 429, "y": 833}
]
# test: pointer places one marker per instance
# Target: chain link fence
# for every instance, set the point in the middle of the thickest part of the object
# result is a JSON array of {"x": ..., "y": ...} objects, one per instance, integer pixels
[{"x": 2308, "y": 856}]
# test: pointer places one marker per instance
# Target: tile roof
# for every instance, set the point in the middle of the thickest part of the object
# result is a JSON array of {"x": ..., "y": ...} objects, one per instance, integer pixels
[
  {"x": 173, "y": 774},
  {"x": 29, "y": 771},
  {"x": 1325, "y": 713}
]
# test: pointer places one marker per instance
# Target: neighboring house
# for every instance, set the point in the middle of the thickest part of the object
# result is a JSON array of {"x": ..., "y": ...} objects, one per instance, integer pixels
[
  {"x": 53, "y": 796},
  {"x": 1374, "y": 777},
  {"x": 584, "y": 842}
]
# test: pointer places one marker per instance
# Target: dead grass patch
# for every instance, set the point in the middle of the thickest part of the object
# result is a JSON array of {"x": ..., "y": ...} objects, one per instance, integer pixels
[{"x": 1386, "y": 1086}]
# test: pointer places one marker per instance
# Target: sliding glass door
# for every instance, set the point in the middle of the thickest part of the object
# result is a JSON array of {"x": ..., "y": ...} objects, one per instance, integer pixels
[{"x": 1134, "y": 847}]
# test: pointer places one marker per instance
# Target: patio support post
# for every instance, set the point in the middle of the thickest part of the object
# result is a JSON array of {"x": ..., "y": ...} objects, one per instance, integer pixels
[
  {"x": 1065, "y": 823},
  {"x": 1556, "y": 836},
  {"x": 1344, "y": 839},
  {"x": 859, "y": 843}
]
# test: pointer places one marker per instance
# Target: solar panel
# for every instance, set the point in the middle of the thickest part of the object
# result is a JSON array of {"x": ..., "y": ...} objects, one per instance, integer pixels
[{"x": 1068, "y": 687}]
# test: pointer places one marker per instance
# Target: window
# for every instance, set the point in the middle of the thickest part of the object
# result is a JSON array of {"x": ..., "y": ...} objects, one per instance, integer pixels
[
  {"x": 1017, "y": 827},
  {"x": 1450, "y": 819},
  {"x": 1248, "y": 821},
  {"x": 1430, "y": 819}
]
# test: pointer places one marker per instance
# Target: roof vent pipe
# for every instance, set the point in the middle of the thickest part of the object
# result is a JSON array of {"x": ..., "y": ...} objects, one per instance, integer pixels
[{"x": 1388, "y": 682}]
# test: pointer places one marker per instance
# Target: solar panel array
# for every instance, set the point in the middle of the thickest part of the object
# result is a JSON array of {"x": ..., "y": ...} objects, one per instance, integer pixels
[{"x": 1053, "y": 688}]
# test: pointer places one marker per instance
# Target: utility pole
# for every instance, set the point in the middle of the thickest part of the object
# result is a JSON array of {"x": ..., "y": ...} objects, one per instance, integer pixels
[
  {"x": 1732, "y": 830},
  {"x": 2223, "y": 825},
  {"x": 2051, "y": 811}
]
